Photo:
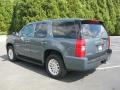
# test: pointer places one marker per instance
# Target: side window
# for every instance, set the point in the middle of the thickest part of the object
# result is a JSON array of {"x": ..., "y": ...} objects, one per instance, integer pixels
[
  {"x": 41, "y": 30},
  {"x": 27, "y": 31},
  {"x": 64, "y": 29}
]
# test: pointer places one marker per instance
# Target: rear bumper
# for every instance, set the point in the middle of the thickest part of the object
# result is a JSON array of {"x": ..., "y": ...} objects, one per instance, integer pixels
[{"x": 83, "y": 64}]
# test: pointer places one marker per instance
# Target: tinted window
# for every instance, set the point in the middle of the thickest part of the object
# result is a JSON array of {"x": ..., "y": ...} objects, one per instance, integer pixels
[
  {"x": 64, "y": 29},
  {"x": 27, "y": 31},
  {"x": 41, "y": 30},
  {"x": 93, "y": 31}
]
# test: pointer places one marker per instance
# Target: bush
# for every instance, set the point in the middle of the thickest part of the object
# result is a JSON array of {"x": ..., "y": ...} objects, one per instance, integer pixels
[{"x": 14, "y": 15}]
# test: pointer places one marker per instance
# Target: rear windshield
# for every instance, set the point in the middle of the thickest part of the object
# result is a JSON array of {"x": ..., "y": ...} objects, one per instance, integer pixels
[
  {"x": 93, "y": 31},
  {"x": 65, "y": 29}
]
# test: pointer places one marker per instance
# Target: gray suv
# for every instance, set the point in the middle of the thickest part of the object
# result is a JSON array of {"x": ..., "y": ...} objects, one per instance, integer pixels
[{"x": 61, "y": 45}]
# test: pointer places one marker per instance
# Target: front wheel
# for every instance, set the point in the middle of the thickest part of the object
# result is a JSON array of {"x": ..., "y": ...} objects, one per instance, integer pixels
[
  {"x": 11, "y": 53},
  {"x": 55, "y": 66}
]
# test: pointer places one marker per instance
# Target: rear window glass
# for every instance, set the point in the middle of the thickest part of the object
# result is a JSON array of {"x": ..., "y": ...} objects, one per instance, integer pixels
[
  {"x": 93, "y": 31},
  {"x": 64, "y": 29}
]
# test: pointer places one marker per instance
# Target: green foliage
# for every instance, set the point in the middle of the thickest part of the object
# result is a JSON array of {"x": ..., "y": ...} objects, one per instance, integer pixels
[
  {"x": 14, "y": 14},
  {"x": 5, "y": 14}
]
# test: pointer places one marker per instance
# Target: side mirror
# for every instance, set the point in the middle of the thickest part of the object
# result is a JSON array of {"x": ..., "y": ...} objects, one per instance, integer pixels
[{"x": 15, "y": 34}]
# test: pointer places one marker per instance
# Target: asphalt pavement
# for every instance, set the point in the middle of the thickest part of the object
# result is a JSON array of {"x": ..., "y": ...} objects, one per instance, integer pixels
[{"x": 21, "y": 75}]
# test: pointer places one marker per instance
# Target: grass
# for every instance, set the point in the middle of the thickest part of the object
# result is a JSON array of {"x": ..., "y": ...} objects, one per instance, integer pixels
[{"x": 3, "y": 33}]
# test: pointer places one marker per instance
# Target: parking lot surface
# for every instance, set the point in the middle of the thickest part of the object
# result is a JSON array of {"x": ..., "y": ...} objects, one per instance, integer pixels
[{"x": 21, "y": 75}]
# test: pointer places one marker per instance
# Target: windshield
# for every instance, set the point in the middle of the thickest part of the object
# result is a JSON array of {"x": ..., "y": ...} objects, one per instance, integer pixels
[{"x": 94, "y": 31}]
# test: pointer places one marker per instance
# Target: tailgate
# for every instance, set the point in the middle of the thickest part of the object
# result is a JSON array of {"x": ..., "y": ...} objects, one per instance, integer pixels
[{"x": 97, "y": 39}]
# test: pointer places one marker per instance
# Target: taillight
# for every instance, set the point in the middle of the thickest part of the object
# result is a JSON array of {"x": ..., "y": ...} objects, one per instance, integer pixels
[
  {"x": 109, "y": 42},
  {"x": 80, "y": 48}
]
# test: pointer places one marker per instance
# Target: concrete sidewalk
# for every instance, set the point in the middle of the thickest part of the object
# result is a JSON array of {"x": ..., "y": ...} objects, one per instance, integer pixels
[{"x": 3, "y": 38}]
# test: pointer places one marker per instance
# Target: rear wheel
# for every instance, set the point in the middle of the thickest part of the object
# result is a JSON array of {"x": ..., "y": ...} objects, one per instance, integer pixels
[
  {"x": 55, "y": 66},
  {"x": 11, "y": 53}
]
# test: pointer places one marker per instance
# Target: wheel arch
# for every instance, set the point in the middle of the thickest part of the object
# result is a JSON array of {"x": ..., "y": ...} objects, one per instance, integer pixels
[
  {"x": 9, "y": 44},
  {"x": 51, "y": 51}
]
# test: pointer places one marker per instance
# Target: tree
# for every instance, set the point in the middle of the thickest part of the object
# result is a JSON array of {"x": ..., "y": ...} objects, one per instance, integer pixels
[
  {"x": 6, "y": 9},
  {"x": 14, "y": 14}
]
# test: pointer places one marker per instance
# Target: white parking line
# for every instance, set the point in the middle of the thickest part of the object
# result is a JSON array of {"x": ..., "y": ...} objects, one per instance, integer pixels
[
  {"x": 112, "y": 67},
  {"x": 115, "y": 50}
]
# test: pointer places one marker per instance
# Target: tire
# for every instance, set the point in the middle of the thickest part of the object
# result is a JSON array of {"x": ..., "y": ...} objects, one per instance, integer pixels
[
  {"x": 55, "y": 61},
  {"x": 11, "y": 54}
]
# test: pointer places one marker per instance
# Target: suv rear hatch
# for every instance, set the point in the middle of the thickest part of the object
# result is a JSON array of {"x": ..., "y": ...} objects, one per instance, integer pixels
[{"x": 96, "y": 38}]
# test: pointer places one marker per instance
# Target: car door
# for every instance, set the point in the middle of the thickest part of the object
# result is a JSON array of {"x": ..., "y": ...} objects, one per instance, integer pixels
[
  {"x": 38, "y": 43},
  {"x": 24, "y": 39}
]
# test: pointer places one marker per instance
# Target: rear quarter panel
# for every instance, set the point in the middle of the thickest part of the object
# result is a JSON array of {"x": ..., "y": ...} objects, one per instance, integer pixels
[{"x": 65, "y": 46}]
